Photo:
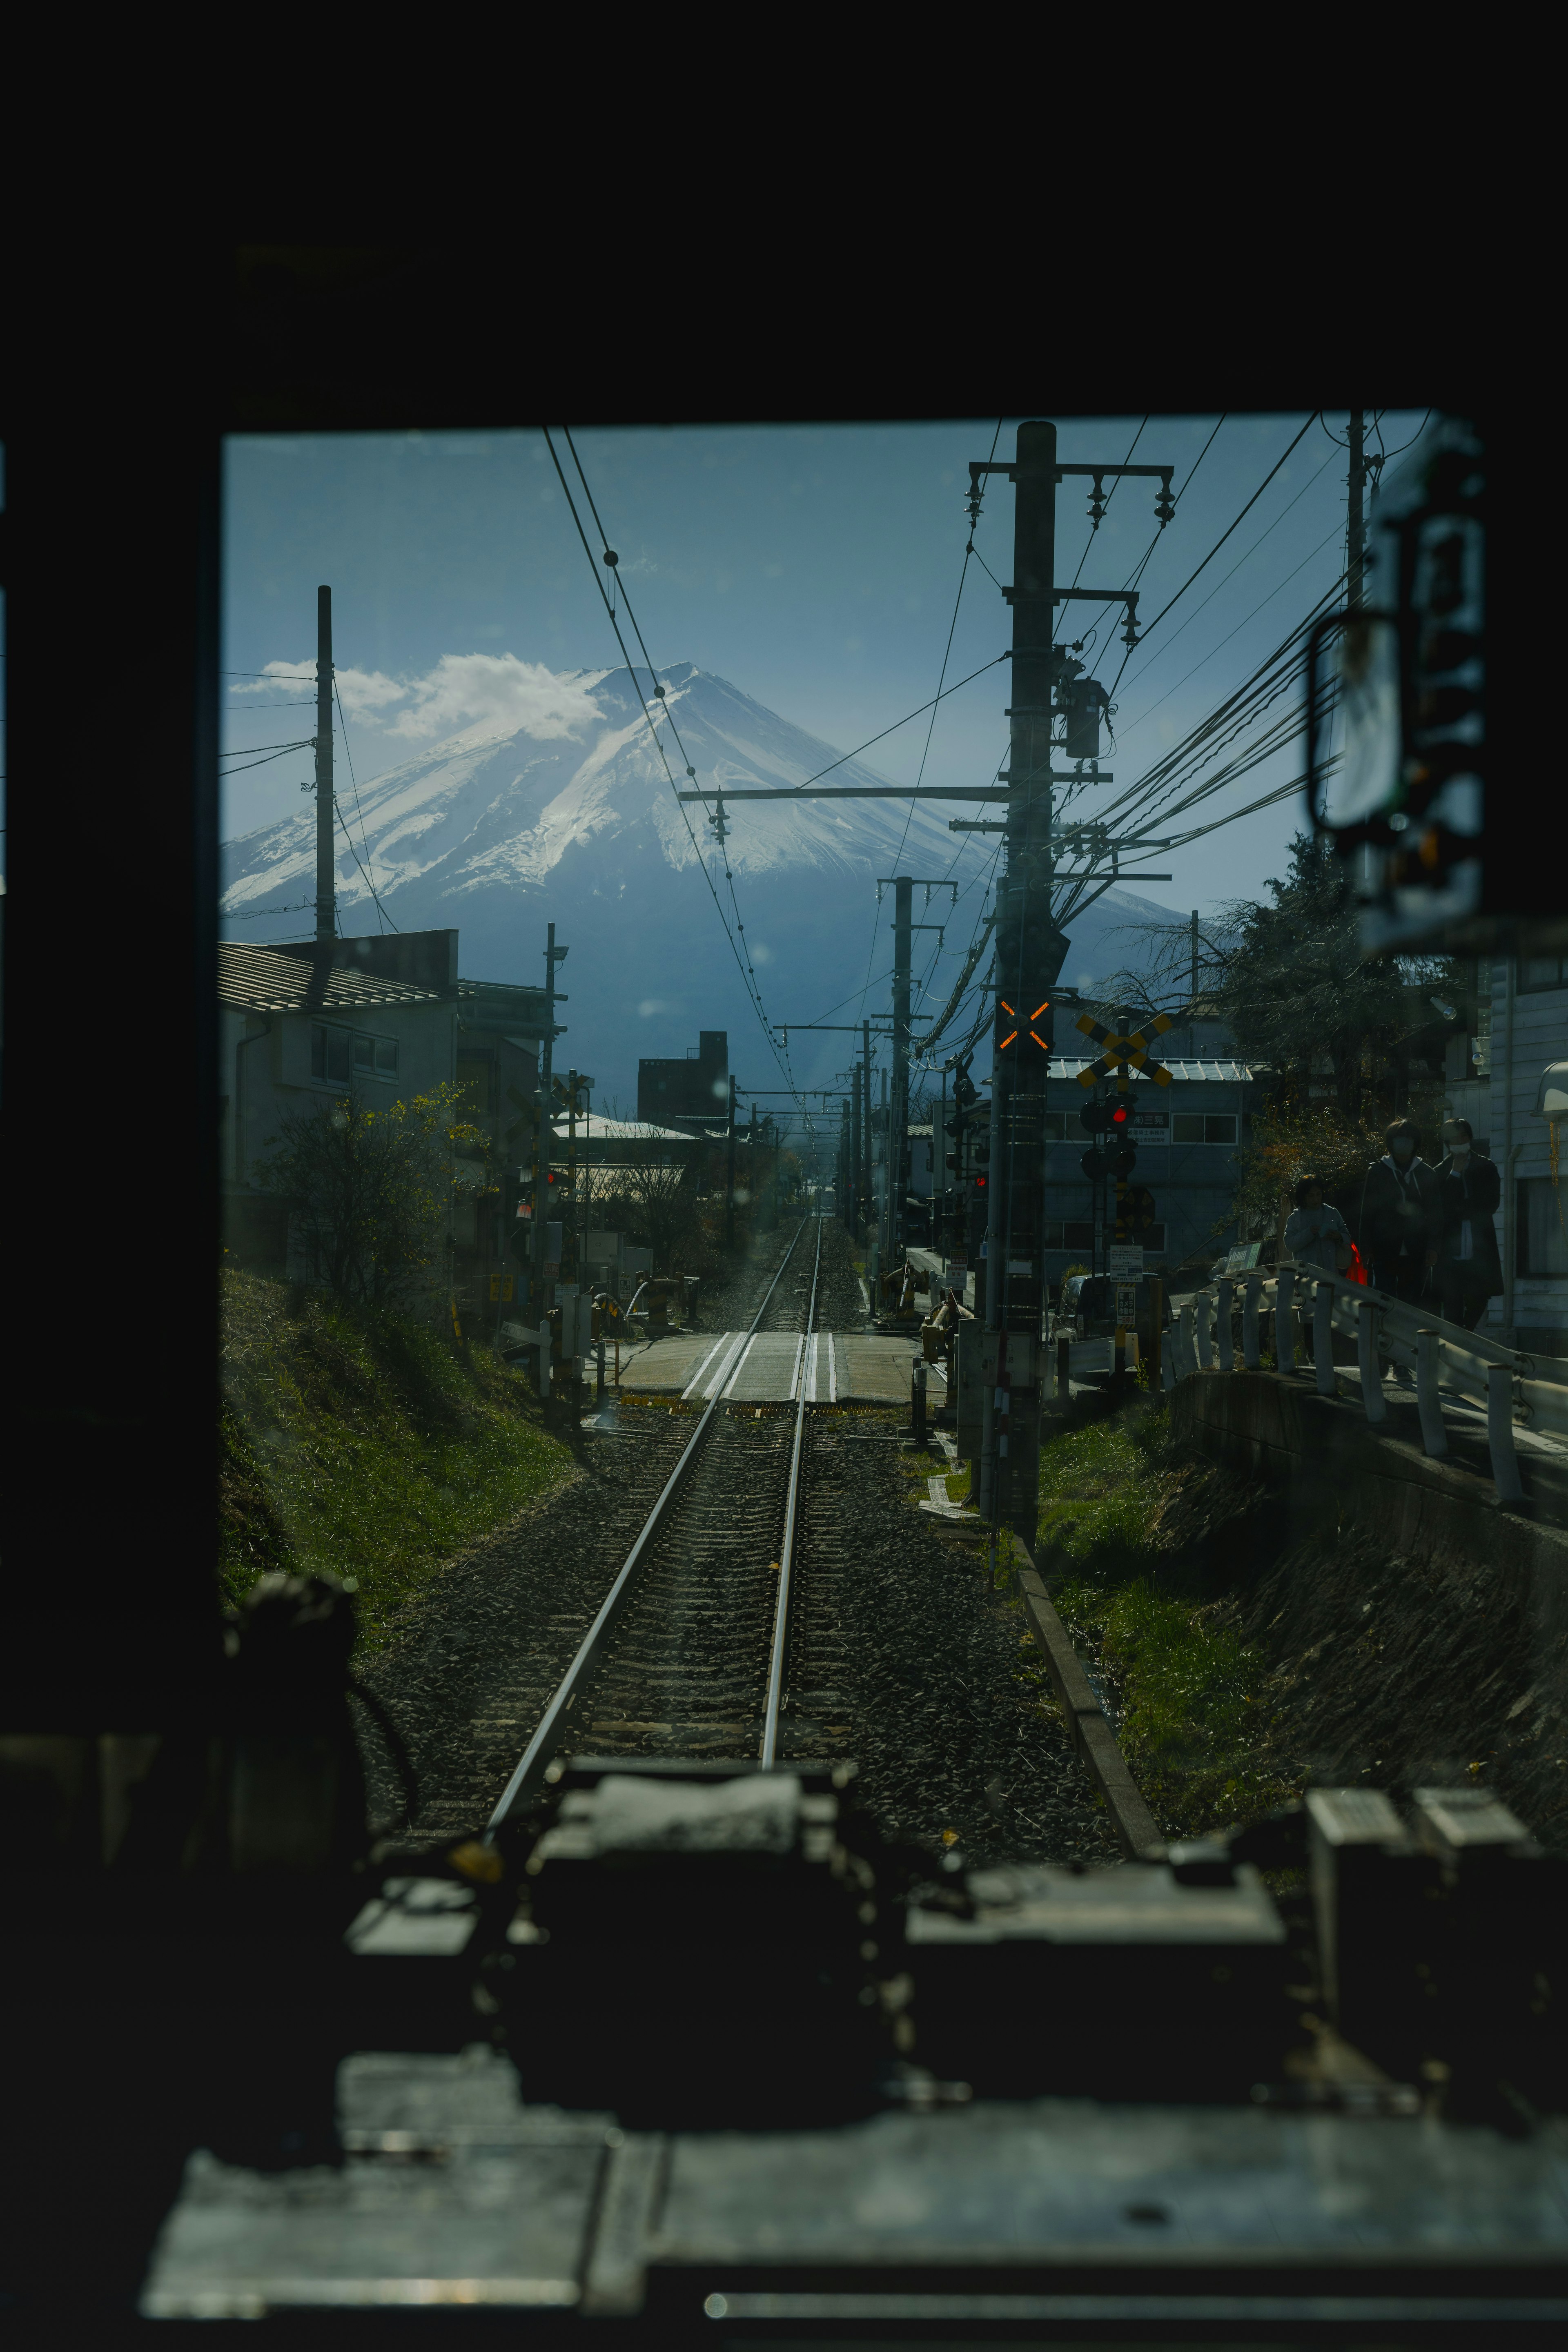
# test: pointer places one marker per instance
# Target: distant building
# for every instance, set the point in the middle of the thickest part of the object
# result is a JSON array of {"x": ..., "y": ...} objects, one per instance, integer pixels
[
  {"x": 1187, "y": 1136},
  {"x": 692, "y": 1093},
  {"x": 388, "y": 1018}
]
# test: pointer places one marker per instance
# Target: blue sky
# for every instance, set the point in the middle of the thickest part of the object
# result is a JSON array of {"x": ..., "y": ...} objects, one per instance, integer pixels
[{"x": 815, "y": 567}]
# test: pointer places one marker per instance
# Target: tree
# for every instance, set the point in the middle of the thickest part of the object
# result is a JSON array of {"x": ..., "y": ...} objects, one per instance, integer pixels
[
  {"x": 373, "y": 1190},
  {"x": 1288, "y": 1142},
  {"x": 653, "y": 1192}
]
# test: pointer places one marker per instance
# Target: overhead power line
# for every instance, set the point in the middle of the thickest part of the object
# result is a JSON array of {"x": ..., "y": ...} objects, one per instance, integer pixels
[
  {"x": 1215, "y": 549},
  {"x": 748, "y": 976}
]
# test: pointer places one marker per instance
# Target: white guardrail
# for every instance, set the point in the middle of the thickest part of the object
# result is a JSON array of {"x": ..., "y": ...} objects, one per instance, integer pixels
[{"x": 1505, "y": 1381}]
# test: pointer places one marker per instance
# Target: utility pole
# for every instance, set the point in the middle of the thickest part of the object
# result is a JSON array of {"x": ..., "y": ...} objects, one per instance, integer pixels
[
  {"x": 1193, "y": 991},
  {"x": 904, "y": 926},
  {"x": 1029, "y": 954},
  {"x": 539, "y": 1301},
  {"x": 852, "y": 1196},
  {"x": 326, "y": 870},
  {"x": 730, "y": 1175},
  {"x": 899, "y": 1112},
  {"x": 1355, "y": 534},
  {"x": 868, "y": 1192}
]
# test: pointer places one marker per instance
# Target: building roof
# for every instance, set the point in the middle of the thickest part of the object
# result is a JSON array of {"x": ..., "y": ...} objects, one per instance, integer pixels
[
  {"x": 1181, "y": 1073},
  {"x": 592, "y": 1129},
  {"x": 265, "y": 980}
]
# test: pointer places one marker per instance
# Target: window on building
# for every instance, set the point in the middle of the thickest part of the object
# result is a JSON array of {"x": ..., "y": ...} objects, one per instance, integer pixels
[
  {"x": 1542, "y": 972},
  {"x": 330, "y": 1052},
  {"x": 1203, "y": 1126},
  {"x": 1542, "y": 1244},
  {"x": 339, "y": 1054}
]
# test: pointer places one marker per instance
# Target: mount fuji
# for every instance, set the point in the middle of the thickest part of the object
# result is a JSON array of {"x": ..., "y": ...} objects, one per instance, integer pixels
[{"x": 495, "y": 835}]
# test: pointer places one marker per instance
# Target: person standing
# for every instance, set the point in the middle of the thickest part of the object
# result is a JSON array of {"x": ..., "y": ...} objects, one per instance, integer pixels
[
  {"x": 1469, "y": 1192},
  {"x": 1400, "y": 1221},
  {"x": 1315, "y": 1233}
]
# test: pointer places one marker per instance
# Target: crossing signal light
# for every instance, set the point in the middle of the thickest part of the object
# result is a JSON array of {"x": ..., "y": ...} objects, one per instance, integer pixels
[
  {"x": 1020, "y": 1032},
  {"x": 1094, "y": 1118}
]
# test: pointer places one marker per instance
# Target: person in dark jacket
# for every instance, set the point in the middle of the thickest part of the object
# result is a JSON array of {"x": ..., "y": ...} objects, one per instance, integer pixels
[
  {"x": 1400, "y": 1222},
  {"x": 1469, "y": 1192}
]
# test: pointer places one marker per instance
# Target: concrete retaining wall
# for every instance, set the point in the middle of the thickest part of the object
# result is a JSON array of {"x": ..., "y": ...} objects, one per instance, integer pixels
[{"x": 1319, "y": 1455}]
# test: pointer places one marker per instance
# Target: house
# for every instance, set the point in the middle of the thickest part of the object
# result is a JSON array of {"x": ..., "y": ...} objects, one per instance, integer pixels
[
  {"x": 1497, "y": 1076},
  {"x": 692, "y": 1093},
  {"x": 388, "y": 1018}
]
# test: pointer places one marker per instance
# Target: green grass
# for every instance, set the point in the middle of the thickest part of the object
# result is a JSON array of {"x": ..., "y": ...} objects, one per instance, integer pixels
[
  {"x": 1192, "y": 1726},
  {"x": 364, "y": 1446}
]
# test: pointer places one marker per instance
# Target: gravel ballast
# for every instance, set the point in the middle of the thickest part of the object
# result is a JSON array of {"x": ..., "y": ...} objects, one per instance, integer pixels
[{"x": 901, "y": 1655}]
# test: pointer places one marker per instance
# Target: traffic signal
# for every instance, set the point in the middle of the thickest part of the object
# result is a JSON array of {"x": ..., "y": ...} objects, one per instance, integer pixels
[
  {"x": 1095, "y": 1117},
  {"x": 1095, "y": 1163},
  {"x": 1136, "y": 1209},
  {"x": 1120, "y": 1149}
]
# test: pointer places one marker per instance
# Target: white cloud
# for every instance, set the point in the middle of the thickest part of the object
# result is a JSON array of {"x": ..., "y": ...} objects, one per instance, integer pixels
[
  {"x": 495, "y": 692},
  {"x": 652, "y": 1004},
  {"x": 364, "y": 692}
]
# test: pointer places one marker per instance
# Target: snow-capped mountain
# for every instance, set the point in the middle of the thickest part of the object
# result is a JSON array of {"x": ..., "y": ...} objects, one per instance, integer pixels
[{"x": 497, "y": 835}]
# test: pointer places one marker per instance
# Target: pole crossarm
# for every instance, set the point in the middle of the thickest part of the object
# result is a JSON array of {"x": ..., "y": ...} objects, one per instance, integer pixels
[{"x": 857, "y": 793}]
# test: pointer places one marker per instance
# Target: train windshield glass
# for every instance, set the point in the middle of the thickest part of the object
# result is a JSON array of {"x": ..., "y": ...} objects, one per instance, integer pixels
[{"x": 844, "y": 1045}]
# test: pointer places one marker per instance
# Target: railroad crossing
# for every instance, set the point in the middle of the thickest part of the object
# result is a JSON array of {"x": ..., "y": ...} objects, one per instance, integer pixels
[{"x": 773, "y": 1367}]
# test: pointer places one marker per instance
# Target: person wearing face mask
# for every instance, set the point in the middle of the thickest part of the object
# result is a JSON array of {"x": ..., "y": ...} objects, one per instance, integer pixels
[
  {"x": 1469, "y": 1192},
  {"x": 1400, "y": 1222}
]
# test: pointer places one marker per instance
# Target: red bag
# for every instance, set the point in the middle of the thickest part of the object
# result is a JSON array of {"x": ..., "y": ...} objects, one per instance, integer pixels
[{"x": 1357, "y": 1266}]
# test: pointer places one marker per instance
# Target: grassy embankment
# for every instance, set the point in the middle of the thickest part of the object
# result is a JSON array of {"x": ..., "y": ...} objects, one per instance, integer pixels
[
  {"x": 364, "y": 1446},
  {"x": 1195, "y": 1715}
]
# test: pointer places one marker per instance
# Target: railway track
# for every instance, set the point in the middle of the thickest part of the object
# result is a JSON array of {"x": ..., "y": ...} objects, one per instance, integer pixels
[{"x": 690, "y": 1652}]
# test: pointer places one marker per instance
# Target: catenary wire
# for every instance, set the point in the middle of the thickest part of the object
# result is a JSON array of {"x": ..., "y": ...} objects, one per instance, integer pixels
[
  {"x": 1215, "y": 549},
  {"x": 748, "y": 979}
]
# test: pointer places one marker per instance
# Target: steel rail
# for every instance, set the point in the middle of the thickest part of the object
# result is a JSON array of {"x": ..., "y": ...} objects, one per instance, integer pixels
[
  {"x": 537, "y": 1756},
  {"x": 768, "y": 1752}
]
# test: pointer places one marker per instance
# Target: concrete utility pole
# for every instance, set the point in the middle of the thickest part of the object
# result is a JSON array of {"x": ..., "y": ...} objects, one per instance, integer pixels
[
  {"x": 852, "y": 1190},
  {"x": 730, "y": 1176},
  {"x": 538, "y": 1300},
  {"x": 1355, "y": 531},
  {"x": 904, "y": 928},
  {"x": 1029, "y": 952},
  {"x": 867, "y": 1188},
  {"x": 899, "y": 1111},
  {"x": 326, "y": 868}
]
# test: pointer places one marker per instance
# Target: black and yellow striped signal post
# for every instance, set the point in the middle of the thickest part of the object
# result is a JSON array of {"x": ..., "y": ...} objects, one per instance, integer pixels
[{"x": 1120, "y": 1051}]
